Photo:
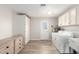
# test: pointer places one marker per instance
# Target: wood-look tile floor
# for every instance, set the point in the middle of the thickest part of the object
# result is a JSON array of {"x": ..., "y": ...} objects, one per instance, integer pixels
[{"x": 39, "y": 47}]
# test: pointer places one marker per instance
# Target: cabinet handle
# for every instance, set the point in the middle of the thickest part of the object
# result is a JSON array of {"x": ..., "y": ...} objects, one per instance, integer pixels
[
  {"x": 7, "y": 53},
  {"x": 20, "y": 47},
  {"x": 7, "y": 47},
  {"x": 19, "y": 40},
  {"x": 19, "y": 43}
]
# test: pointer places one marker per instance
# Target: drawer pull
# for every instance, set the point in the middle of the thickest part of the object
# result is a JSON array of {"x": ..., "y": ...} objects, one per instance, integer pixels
[
  {"x": 20, "y": 47},
  {"x": 19, "y": 40},
  {"x": 19, "y": 43},
  {"x": 7, "y": 47},
  {"x": 7, "y": 53}
]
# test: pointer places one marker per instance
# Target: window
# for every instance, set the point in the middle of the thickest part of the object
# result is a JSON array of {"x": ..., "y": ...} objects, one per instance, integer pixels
[{"x": 44, "y": 25}]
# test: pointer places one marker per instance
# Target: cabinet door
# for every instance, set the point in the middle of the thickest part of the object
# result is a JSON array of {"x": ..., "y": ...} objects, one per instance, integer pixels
[
  {"x": 60, "y": 21},
  {"x": 27, "y": 30},
  {"x": 67, "y": 22},
  {"x": 73, "y": 16},
  {"x": 77, "y": 20},
  {"x": 63, "y": 20}
]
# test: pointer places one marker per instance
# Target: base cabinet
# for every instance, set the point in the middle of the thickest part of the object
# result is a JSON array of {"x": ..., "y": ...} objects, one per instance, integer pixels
[
  {"x": 7, "y": 48},
  {"x": 12, "y": 46}
]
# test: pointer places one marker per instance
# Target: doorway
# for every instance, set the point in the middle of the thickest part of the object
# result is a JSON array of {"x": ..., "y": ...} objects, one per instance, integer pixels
[{"x": 44, "y": 33}]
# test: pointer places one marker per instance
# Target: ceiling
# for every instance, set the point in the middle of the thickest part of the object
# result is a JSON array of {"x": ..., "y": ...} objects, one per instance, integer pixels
[{"x": 35, "y": 10}]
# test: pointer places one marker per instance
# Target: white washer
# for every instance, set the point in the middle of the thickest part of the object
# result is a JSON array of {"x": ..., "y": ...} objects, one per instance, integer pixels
[{"x": 61, "y": 41}]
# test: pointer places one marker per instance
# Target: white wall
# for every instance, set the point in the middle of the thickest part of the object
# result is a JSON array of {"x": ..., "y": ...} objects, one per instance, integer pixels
[
  {"x": 5, "y": 22},
  {"x": 18, "y": 25},
  {"x": 35, "y": 27},
  {"x": 21, "y": 26}
]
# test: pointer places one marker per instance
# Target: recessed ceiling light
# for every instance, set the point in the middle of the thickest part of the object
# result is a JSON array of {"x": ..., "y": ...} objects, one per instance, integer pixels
[{"x": 49, "y": 12}]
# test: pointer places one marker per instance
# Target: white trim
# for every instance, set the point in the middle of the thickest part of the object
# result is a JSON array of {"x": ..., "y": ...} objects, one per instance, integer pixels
[
  {"x": 35, "y": 39},
  {"x": 40, "y": 39}
]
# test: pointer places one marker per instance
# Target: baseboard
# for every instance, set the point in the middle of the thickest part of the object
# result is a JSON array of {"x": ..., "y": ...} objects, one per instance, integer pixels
[
  {"x": 27, "y": 41},
  {"x": 40, "y": 39},
  {"x": 35, "y": 39}
]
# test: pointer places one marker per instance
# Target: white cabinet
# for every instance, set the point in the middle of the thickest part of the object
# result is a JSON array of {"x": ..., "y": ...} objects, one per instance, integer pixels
[
  {"x": 21, "y": 26},
  {"x": 67, "y": 22},
  {"x": 62, "y": 20},
  {"x": 27, "y": 30},
  {"x": 73, "y": 16},
  {"x": 77, "y": 21}
]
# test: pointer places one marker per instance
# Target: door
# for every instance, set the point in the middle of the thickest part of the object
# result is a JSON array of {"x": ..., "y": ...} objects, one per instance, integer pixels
[
  {"x": 27, "y": 30},
  {"x": 44, "y": 34},
  {"x": 67, "y": 18}
]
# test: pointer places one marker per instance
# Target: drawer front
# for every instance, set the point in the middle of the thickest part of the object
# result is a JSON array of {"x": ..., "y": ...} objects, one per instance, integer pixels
[
  {"x": 7, "y": 48},
  {"x": 7, "y": 51},
  {"x": 8, "y": 45},
  {"x": 19, "y": 44}
]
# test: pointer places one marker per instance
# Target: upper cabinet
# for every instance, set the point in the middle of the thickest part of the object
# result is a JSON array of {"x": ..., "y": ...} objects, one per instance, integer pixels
[
  {"x": 77, "y": 17},
  {"x": 67, "y": 19},
  {"x": 61, "y": 20},
  {"x": 71, "y": 17}
]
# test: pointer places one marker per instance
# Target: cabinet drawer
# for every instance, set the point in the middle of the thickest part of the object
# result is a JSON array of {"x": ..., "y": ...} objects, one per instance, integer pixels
[
  {"x": 7, "y": 47},
  {"x": 7, "y": 51}
]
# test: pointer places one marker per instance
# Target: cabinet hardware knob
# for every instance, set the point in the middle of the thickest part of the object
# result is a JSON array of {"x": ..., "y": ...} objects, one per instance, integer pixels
[
  {"x": 19, "y": 47},
  {"x": 7, "y": 53},
  {"x": 19, "y": 40},
  {"x": 7, "y": 47},
  {"x": 19, "y": 43}
]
